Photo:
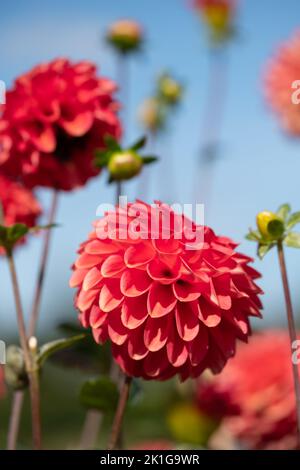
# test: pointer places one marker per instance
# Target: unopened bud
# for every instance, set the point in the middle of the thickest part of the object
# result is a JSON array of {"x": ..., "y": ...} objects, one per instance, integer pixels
[
  {"x": 270, "y": 225},
  {"x": 124, "y": 165}
]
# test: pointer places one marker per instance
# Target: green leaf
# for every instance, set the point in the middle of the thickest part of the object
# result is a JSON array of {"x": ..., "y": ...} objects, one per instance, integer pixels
[
  {"x": 293, "y": 220},
  {"x": 283, "y": 211},
  {"x": 139, "y": 143},
  {"x": 263, "y": 249},
  {"x": 253, "y": 235},
  {"x": 149, "y": 159},
  {"x": 51, "y": 348},
  {"x": 99, "y": 394},
  {"x": 292, "y": 239},
  {"x": 102, "y": 158},
  {"x": 112, "y": 143},
  {"x": 16, "y": 232}
]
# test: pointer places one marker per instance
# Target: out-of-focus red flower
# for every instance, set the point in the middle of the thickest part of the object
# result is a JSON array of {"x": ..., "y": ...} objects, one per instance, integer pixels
[
  {"x": 55, "y": 117},
  {"x": 282, "y": 71},
  {"x": 168, "y": 305},
  {"x": 255, "y": 394},
  {"x": 18, "y": 204}
]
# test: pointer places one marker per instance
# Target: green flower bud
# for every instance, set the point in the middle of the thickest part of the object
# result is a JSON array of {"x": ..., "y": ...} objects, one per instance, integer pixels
[
  {"x": 270, "y": 225},
  {"x": 169, "y": 89},
  {"x": 15, "y": 371},
  {"x": 124, "y": 165},
  {"x": 125, "y": 35}
]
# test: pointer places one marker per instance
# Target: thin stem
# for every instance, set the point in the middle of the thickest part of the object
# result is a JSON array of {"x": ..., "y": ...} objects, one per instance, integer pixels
[
  {"x": 118, "y": 419},
  {"x": 292, "y": 331},
  {"x": 42, "y": 269},
  {"x": 90, "y": 429},
  {"x": 14, "y": 420},
  {"x": 118, "y": 191},
  {"x": 28, "y": 358}
]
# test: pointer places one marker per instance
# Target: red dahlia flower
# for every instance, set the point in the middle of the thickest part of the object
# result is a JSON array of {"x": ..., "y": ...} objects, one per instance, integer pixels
[
  {"x": 168, "y": 305},
  {"x": 55, "y": 117},
  {"x": 255, "y": 394},
  {"x": 18, "y": 204},
  {"x": 282, "y": 72}
]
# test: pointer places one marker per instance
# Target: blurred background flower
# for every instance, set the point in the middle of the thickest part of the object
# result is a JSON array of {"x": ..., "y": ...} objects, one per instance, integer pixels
[
  {"x": 254, "y": 396},
  {"x": 282, "y": 71}
]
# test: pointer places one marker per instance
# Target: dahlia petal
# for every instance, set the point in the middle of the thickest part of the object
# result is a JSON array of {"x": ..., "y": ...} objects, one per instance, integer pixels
[
  {"x": 86, "y": 298},
  {"x": 186, "y": 291},
  {"x": 134, "y": 311},
  {"x": 99, "y": 247},
  {"x": 138, "y": 255},
  {"x": 156, "y": 333},
  {"x": 177, "y": 350},
  {"x": 129, "y": 366},
  {"x": 44, "y": 140},
  {"x": 100, "y": 335},
  {"x": 155, "y": 364},
  {"x": 187, "y": 320},
  {"x": 136, "y": 346},
  {"x": 161, "y": 272},
  {"x": 110, "y": 295},
  {"x": 225, "y": 339},
  {"x": 116, "y": 330},
  {"x": 167, "y": 246},
  {"x": 79, "y": 125},
  {"x": 97, "y": 317},
  {"x": 198, "y": 348},
  {"x": 134, "y": 282},
  {"x": 112, "y": 266},
  {"x": 161, "y": 300},
  {"x": 87, "y": 261},
  {"x": 77, "y": 277},
  {"x": 209, "y": 314},
  {"x": 92, "y": 278}
]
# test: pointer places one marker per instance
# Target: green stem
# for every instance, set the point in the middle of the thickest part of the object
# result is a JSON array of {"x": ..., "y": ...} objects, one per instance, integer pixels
[
  {"x": 28, "y": 359},
  {"x": 292, "y": 331}
]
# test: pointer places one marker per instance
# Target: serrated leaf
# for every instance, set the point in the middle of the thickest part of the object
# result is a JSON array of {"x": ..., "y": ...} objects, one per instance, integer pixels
[
  {"x": 283, "y": 211},
  {"x": 139, "y": 143},
  {"x": 263, "y": 249},
  {"x": 52, "y": 347},
  {"x": 99, "y": 394},
  {"x": 149, "y": 159},
  {"x": 253, "y": 235},
  {"x": 292, "y": 239},
  {"x": 111, "y": 143},
  {"x": 293, "y": 220}
]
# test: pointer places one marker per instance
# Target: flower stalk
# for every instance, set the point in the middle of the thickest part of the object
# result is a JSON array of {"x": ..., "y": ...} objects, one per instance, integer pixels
[
  {"x": 30, "y": 363},
  {"x": 118, "y": 419},
  {"x": 292, "y": 331}
]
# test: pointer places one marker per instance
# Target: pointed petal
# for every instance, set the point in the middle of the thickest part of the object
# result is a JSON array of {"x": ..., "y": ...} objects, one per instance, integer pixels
[
  {"x": 209, "y": 314},
  {"x": 86, "y": 298},
  {"x": 86, "y": 261},
  {"x": 97, "y": 317},
  {"x": 139, "y": 255},
  {"x": 136, "y": 346},
  {"x": 134, "y": 311},
  {"x": 116, "y": 330},
  {"x": 77, "y": 277},
  {"x": 112, "y": 266},
  {"x": 176, "y": 349},
  {"x": 110, "y": 295},
  {"x": 161, "y": 300},
  {"x": 198, "y": 348},
  {"x": 187, "y": 320},
  {"x": 156, "y": 333},
  {"x": 92, "y": 278},
  {"x": 186, "y": 291},
  {"x": 135, "y": 282},
  {"x": 100, "y": 247}
]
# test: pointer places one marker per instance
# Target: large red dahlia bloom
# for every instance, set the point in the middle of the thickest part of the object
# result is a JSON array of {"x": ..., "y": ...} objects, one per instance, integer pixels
[
  {"x": 55, "y": 117},
  {"x": 169, "y": 306},
  {"x": 255, "y": 394},
  {"x": 282, "y": 72}
]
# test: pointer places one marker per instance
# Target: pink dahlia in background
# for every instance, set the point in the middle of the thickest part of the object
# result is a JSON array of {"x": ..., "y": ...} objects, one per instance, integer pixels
[
  {"x": 254, "y": 395},
  {"x": 283, "y": 70},
  {"x": 55, "y": 117},
  {"x": 168, "y": 305},
  {"x": 17, "y": 204}
]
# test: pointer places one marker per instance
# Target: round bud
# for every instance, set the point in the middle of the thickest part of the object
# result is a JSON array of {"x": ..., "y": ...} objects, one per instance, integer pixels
[
  {"x": 15, "y": 371},
  {"x": 169, "y": 89},
  {"x": 125, "y": 35},
  {"x": 151, "y": 115},
  {"x": 270, "y": 225},
  {"x": 124, "y": 165}
]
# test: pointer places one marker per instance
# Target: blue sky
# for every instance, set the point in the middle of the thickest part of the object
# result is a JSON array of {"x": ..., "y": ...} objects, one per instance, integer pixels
[{"x": 259, "y": 167}]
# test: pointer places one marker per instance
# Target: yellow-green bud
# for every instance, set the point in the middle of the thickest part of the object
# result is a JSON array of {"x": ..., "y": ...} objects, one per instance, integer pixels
[
  {"x": 124, "y": 165},
  {"x": 270, "y": 225},
  {"x": 170, "y": 89}
]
